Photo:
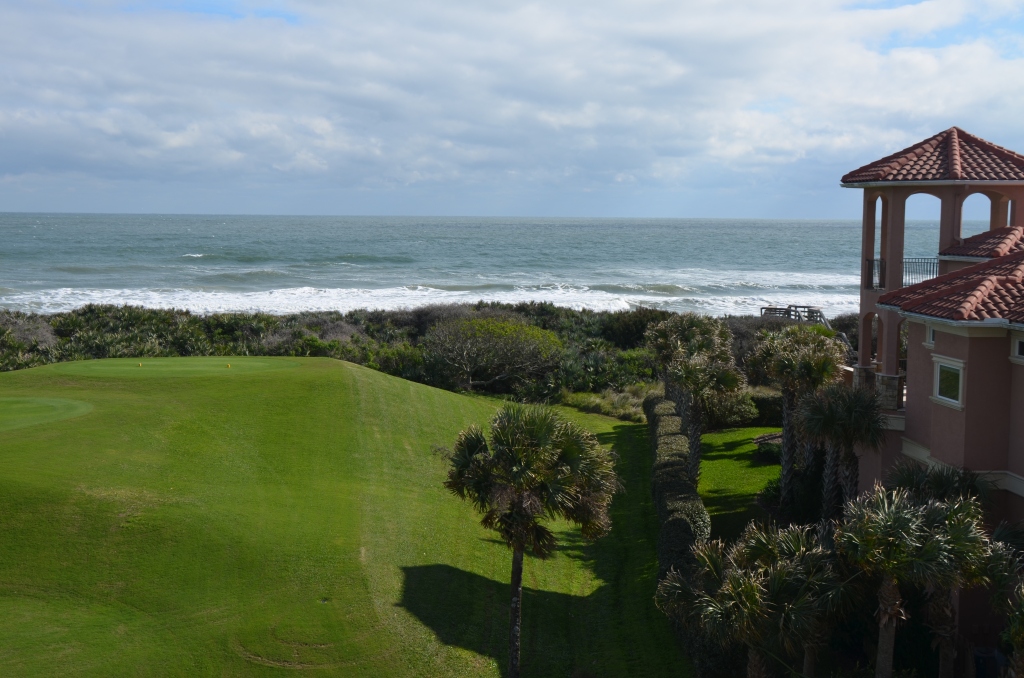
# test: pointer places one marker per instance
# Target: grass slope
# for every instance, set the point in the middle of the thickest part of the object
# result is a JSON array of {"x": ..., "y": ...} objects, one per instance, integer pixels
[{"x": 186, "y": 518}]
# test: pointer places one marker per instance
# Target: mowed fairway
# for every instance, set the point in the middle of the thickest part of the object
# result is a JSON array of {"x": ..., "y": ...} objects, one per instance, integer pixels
[{"x": 187, "y": 518}]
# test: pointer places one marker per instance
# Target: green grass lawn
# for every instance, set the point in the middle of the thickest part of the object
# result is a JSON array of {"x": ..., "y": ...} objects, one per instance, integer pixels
[
  {"x": 187, "y": 518},
  {"x": 731, "y": 478}
]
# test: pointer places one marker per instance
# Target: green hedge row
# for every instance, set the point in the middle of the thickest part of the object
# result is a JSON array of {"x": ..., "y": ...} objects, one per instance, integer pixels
[{"x": 684, "y": 521}]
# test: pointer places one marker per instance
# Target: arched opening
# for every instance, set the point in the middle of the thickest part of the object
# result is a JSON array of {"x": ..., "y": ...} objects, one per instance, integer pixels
[
  {"x": 977, "y": 214},
  {"x": 921, "y": 238}
]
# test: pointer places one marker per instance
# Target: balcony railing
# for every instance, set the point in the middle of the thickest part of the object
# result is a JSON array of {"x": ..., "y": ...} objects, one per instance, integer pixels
[
  {"x": 914, "y": 271},
  {"x": 919, "y": 270}
]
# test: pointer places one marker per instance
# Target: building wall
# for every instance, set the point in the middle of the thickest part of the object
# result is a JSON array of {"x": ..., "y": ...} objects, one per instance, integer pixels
[
  {"x": 987, "y": 403},
  {"x": 948, "y": 425},
  {"x": 1015, "y": 451}
]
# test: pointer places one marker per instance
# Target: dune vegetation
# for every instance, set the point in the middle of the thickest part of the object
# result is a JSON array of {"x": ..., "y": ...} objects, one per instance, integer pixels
[{"x": 177, "y": 516}]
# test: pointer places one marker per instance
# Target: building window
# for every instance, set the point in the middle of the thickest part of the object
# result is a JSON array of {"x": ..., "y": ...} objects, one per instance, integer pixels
[
  {"x": 949, "y": 383},
  {"x": 931, "y": 335},
  {"x": 1020, "y": 348}
]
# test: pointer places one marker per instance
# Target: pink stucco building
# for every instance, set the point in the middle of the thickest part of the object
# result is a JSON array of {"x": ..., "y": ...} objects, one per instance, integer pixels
[
  {"x": 954, "y": 389},
  {"x": 955, "y": 394}
]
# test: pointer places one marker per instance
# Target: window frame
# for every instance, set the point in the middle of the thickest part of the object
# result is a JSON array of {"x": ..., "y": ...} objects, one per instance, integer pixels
[
  {"x": 929, "y": 336},
  {"x": 953, "y": 364},
  {"x": 1017, "y": 348}
]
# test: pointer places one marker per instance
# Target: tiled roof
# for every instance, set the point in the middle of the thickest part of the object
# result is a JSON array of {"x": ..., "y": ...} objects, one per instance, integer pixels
[
  {"x": 953, "y": 155},
  {"x": 989, "y": 290},
  {"x": 989, "y": 244}
]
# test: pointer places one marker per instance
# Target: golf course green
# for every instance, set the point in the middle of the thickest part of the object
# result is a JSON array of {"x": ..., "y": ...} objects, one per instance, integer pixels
[{"x": 183, "y": 517}]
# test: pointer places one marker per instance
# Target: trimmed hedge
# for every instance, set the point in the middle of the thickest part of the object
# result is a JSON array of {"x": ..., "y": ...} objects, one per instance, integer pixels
[{"x": 684, "y": 522}]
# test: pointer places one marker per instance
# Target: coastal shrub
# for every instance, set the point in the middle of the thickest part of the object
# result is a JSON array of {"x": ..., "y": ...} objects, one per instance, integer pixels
[
  {"x": 745, "y": 329},
  {"x": 848, "y": 324},
  {"x": 400, "y": 360},
  {"x": 489, "y": 353},
  {"x": 732, "y": 409},
  {"x": 768, "y": 402},
  {"x": 626, "y": 329},
  {"x": 626, "y": 404}
]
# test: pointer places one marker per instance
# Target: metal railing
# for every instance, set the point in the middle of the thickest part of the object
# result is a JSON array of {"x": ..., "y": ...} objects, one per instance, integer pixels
[
  {"x": 915, "y": 270},
  {"x": 919, "y": 270}
]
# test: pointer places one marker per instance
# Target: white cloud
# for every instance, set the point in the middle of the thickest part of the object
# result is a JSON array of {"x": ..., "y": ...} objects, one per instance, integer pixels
[{"x": 593, "y": 102}]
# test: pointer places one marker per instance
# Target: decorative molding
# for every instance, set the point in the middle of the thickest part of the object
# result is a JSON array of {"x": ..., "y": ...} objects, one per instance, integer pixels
[
  {"x": 918, "y": 452},
  {"x": 946, "y": 360},
  {"x": 951, "y": 404},
  {"x": 896, "y": 422}
]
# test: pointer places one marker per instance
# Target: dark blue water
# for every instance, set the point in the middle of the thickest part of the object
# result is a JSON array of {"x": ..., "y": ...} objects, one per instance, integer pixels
[{"x": 285, "y": 264}]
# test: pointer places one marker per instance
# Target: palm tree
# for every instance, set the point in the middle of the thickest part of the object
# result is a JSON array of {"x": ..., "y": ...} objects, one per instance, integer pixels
[
  {"x": 1014, "y": 632},
  {"x": 704, "y": 378},
  {"x": 958, "y": 515},
  {"x": 841, "y": 418},
  {"x": 686, "y": 334},
  {"x": 970, "y": 552},
  {"x": 771, "y": 591},
  {"x": 535, "y": 466},
  {"x": 941, "y": 483},
  {"x": 886, "y": 535},
  {"x": 799, "y": 359}
]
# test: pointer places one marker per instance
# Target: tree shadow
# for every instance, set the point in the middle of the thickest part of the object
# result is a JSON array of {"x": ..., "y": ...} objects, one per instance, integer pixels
[
  {"x": 614, "y": 630},
  {"x": 732, "y": 450},
  {"x": 469, "y": 611}
]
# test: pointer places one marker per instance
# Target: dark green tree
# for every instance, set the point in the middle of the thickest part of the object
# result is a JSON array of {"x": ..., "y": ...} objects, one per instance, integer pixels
[
  {"x": 840, "y": 418},
  {"x": 773, "y": 591},
  {"x": 799, "y": 359},
  {"x": 533, "y": 467},
  {"x": 890, "y": 537}
]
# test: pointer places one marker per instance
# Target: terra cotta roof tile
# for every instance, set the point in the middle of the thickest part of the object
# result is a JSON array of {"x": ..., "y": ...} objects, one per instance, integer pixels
[
  {"x": 953, "y": 155},
  {"x": 989, "y": 244},
  {"x": 989, "y": 290}
]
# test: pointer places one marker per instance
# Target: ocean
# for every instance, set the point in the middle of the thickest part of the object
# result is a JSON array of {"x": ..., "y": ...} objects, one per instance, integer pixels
[{"x": 285, "y": 264}]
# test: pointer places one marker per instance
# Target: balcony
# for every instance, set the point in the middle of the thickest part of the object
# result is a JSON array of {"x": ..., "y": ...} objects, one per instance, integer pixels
[{"x": 915, "y": 270}]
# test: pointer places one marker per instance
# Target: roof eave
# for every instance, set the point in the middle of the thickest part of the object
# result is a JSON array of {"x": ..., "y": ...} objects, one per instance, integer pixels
[
  {"x": 935, "y": 320},
  {"x": 957, "y": 257},
  {"x": 937, "y": 182}
]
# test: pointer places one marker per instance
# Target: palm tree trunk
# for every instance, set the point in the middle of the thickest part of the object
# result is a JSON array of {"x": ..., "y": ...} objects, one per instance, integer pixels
[
  {"x": 942, "y": 622},
  {"x": 515, "y": 614},
  {"x": 890, "y": 610},
  {"x": 1016, "y": 669},
  {"x": 849, "y": 473},
  {"x": 789, "y": 443},
  {"x": 695, "y": 427},
  {"x": 810, "y": 659},
  {"x": 831, "y": 492},
  {"x": 757, "y": 666}
]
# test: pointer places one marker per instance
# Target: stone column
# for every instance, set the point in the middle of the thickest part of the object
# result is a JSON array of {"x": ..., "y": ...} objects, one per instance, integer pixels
[
  {"x": 867, "y": 238},
  {"x": 999, "y": 212},
  {"x": 892, "y": 238},
  {"x": 951, "y": 218}
]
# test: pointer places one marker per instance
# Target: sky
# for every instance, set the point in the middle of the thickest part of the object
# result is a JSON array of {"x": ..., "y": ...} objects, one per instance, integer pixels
[{"x": 634, "y": 108}]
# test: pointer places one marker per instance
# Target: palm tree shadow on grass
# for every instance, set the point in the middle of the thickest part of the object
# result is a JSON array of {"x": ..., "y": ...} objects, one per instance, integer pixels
[
  {"x": 563, "y": 635},
  {"x": 470, "y": 611},
  {"x": 730, "y": 512}
]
